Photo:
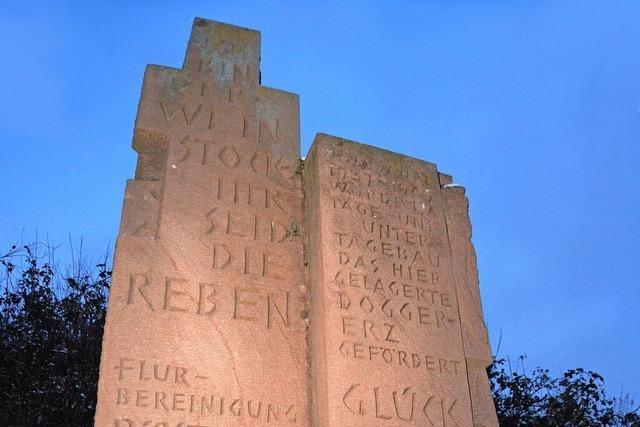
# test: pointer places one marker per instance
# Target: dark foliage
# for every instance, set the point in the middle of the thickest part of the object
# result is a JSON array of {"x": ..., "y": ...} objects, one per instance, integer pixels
[
  {"x": 51, "y": 326},
  {"x": 577, "y": 398},
  {"x": 50, "y": 338}
]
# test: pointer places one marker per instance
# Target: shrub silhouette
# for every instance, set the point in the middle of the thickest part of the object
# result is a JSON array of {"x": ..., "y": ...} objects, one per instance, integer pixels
[
  {"x": 577, "y": 398},
  {"x": 51, "y": 328}
]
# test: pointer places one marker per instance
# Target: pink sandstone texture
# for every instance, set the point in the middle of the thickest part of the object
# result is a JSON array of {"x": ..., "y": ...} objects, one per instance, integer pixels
[{"x": 251, "y": 288}]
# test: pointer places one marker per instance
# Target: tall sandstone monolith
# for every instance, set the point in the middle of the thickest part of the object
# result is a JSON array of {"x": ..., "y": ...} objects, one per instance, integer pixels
[
  {"x": 251, "y": 288},
  {"x": 206, "y": 322}
]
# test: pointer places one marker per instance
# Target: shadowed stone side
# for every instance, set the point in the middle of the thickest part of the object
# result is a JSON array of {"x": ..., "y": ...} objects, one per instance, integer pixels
[{"x": 474, "y": 332}]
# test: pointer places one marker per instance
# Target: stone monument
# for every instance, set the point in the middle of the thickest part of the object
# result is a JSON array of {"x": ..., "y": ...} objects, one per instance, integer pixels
[{"x": 252, "y": 288}]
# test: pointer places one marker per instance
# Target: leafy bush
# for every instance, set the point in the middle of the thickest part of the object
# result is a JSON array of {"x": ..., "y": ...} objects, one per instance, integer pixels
[
  {"x": 577, "y": 398},
  {"x": 50, "y": 339}
]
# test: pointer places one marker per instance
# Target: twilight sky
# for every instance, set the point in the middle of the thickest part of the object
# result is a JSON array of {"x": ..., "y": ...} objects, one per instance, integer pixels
[{"x": 533, "y": 106}]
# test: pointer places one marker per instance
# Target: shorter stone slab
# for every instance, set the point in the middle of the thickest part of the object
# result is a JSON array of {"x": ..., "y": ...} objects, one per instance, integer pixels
[{"x": 386, "y": 335}]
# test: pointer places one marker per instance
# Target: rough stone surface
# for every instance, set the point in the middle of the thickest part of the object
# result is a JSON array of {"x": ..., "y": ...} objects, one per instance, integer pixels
[
  {"x": 474, "y": 332},
  {"x": 252, "y": 289},
  {"x": 206, "y": 322},
  {"x": 386, "y": 338}
]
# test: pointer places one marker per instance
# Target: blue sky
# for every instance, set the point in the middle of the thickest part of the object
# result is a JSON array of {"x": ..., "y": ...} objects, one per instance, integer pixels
[{"x": 533, "y": 106}]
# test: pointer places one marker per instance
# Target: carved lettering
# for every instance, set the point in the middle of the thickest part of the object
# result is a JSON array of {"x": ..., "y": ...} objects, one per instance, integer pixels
[
  {"x": 139, "y": 283},
  {"x": 399, "y": 404}
]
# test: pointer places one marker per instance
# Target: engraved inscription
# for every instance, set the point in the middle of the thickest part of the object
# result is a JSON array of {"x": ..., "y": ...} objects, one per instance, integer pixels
[
  {"x": 402, "y": 404},
  {"x": 389, "y": 290},
  {"x": 163, "y": 388},
  {"x": 399, "y": 358},
  {"x": 270, "y": 308},
  {"x": 256, "y": 162},
  {"x": 257, "y": 227}
]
